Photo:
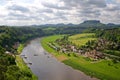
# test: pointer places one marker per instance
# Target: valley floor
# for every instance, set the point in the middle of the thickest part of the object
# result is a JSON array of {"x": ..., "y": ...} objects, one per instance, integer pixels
[{"x": 102, "y": 69}]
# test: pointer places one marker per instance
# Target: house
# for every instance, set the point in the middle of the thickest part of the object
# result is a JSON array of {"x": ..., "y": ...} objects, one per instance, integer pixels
[
  {"x": 95, "y": 54},
  {"x": 7, "y": 52}
]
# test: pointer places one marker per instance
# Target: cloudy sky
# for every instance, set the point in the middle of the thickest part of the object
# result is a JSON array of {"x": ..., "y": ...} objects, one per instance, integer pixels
[{"x": 28, "y": 12}]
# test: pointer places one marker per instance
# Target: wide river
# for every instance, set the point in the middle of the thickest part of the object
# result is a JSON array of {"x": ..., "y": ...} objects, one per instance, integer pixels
[{"x": 46, "y": 67}]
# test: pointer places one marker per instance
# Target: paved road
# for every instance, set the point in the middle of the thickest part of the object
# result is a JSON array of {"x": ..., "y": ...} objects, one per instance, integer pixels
[{"x": 47, "y": 67}]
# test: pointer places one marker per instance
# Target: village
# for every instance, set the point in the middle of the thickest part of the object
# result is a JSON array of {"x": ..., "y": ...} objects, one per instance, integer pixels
[{"x": 70, "y": 48}]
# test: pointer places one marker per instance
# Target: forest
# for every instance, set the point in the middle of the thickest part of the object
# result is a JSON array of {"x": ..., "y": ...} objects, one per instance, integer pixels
[{"x": 9, "y": 37}]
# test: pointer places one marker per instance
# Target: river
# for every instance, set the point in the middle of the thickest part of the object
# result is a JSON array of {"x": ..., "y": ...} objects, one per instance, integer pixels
[{"x": 46, "y": 67}]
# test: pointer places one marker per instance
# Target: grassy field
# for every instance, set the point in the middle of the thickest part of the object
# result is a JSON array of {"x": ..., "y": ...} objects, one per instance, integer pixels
[
  {"x": 103, "y": 69},
  {"x": 20, "y": 48},
  {"x": 44, "y": 43},
  {"x": 46, "y": 40},
  {"x": 81, "y": 39},
  {"x": 49, "y": 28}
]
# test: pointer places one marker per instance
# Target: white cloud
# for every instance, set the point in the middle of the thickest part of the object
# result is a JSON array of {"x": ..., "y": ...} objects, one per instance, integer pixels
[
  {"x": 118, "y": 1},
  {"x": 28, "y": 12}
]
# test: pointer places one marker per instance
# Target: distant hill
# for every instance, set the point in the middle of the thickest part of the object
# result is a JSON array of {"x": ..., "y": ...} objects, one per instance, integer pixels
[
  {"x": 86, "y": 24},
  {"x": 92, "y": 23},
  {"x": 56, "y": 25},
  {"x": 110, "y": 24}
]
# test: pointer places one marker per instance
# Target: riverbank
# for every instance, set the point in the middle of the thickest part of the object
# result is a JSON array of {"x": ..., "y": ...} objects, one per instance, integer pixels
[
  {"x": 21, "y": 64},
  {"x": 104, "y": 69},
  {"x": 46, "y": 67}
]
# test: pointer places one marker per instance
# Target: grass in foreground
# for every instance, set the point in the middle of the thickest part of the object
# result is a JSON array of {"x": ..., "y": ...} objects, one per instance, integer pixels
[{"x": 104, "y": 69}]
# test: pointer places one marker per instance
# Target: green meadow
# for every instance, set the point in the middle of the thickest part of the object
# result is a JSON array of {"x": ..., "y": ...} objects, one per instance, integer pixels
[
  {"x": 102, "y": 69},
  {"x": 81, "y": 39}
]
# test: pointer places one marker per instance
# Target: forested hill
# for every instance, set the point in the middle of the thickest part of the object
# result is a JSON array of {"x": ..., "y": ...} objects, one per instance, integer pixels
[
  {"x": 10, "y": 37},
  {"x": 110, "y": 34},
  {"x": 75, "y": 28},
  {"x": 108, "y": 40}
]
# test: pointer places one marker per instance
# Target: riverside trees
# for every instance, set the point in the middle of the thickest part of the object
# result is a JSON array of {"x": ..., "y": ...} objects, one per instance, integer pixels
[{"x": 9, "y": 36}]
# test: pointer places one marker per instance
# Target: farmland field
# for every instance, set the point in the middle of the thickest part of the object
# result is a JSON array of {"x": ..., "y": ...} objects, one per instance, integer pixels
[
  {"x": 82, "y": 39},
  {"x": 102, "y": 69}
]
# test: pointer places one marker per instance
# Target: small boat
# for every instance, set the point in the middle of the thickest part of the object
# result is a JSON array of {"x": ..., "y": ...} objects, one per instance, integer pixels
[
  {"x": 22, "y": 55},
  {"x": 30, "y": 63},
  {"x": 45, "y": 53},
  {"x": 25, "y": 57},
  {"x": 35, "y": 54},
  {"x": 48, "y": 56}
]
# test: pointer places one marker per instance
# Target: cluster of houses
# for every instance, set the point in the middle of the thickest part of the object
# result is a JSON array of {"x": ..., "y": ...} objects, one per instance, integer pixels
[
  {"x": 68, "y": 48},
  {"x": 102, "y": 44},
  {"x": 94, "y": 54}
]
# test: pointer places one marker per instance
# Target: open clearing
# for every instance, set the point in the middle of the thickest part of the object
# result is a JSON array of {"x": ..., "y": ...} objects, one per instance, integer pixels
[{"x": 82, "y": 39}]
